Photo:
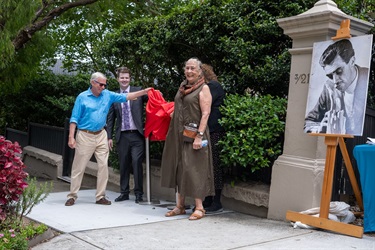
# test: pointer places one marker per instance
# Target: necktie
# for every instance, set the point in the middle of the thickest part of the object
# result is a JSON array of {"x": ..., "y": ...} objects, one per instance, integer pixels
[
  {"x": 348, "y": 102},
  {"x": 125, "y": 115},
  {"x": 343, "y": 115}
]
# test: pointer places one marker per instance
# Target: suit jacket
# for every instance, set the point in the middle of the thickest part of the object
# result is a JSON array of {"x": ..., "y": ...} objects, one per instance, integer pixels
[
  {"x": 114, "y": 117},
  {"x": 360, "y": 97}
]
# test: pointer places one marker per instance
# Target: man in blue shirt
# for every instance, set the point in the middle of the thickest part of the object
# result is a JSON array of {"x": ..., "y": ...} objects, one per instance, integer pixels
[{"x": 89, "y": 117}]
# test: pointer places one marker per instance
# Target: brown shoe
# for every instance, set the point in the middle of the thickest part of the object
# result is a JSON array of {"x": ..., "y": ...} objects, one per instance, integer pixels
[
  {"x": 70, "y": 202},
  {"x": 198, "y": 214},
  {"x": 103, "y": 201},
  {"x": 176, "y": 211}
]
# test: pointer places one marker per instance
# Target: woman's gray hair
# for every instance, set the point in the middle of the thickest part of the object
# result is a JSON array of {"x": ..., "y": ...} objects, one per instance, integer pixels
[
  {"x": 97, "y": 75},
  {"x": 199, "y": 63}
]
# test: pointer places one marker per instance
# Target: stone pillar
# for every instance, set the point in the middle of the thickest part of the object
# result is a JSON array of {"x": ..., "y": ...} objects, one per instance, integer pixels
[{"x": 297, "y": 174}]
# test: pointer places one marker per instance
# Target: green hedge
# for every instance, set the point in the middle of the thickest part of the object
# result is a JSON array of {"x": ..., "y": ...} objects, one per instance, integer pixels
[{"x": 255, "y": 129}]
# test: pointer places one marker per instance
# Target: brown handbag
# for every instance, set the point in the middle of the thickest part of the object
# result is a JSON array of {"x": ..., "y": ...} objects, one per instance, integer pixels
[{"x": 190, "y": 132}]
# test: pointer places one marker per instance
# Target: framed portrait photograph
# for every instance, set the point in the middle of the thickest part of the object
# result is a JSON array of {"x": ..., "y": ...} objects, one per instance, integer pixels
[{"x": 339, "y": 76}]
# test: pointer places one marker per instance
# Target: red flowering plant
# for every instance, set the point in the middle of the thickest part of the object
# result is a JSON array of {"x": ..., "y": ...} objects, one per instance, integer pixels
[{"x": 12, "y": 176}]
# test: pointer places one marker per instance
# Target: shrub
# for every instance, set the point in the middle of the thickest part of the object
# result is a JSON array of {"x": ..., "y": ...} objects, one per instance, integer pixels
[
  {"x": 12, "y": 176},
  {"x": 14, "y": 232},
  {"x": 12, "y": 239},
  {"x": 18, "y": 195},
  {"x": 16, "y": 238},
  {"x": 255, "y": 129},
  {"x": 31, "y": 196}
]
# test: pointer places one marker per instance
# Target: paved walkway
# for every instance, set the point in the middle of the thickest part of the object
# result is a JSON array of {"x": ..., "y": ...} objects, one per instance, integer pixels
[{"x": 126, "y": 225}]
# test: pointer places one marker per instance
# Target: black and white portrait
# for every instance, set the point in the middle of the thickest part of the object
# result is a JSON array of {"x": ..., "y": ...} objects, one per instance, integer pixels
[{"x": 337, "y": 95}]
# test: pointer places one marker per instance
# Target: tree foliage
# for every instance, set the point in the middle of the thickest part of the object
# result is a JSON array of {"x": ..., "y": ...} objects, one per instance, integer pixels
[
  {"x": 241, "y": 39},
  {"x": 79, "y": 33},
  {"x": 75, "y": 30},
  {"x": 34, "y": 31},
  {"x": 47, "y": 99},
  {"x": 24, "y": 39},
  {"x": 234, "y": 36}
]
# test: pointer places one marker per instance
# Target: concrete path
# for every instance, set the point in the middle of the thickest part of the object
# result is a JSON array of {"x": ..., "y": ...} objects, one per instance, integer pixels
[{"x": 127, "y": 225}]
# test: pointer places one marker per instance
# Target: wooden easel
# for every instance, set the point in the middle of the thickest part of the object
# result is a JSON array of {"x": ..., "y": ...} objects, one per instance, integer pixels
[{"x": 331, "y": 140}]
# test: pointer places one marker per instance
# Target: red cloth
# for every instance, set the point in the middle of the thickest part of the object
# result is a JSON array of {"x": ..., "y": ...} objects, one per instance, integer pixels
[{"x": 158, "y": 117}]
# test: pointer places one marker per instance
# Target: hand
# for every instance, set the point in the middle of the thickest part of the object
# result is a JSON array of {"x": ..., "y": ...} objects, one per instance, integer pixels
[
  {"x": 325, "y": 124},
  {"x": 134, "y": 95},
  {"x": 110, "y": 144},
  {"x": 336, "y": 122},
  {"x": 330, "y": 85},
  {"x": 197, "y": 144},
  {"x": 72, "y": 143},
  {"x": 147, "y": 89},
  {"x": 312, "y": 127}
]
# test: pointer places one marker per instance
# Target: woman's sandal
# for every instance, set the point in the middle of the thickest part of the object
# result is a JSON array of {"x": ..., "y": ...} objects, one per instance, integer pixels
[
  {"x": 176, "y": 211},
  {"x": 198, "y": 214}
]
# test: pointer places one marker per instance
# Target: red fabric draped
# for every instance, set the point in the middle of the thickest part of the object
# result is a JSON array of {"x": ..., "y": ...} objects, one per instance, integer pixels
[{"x": 158, "y": 117}]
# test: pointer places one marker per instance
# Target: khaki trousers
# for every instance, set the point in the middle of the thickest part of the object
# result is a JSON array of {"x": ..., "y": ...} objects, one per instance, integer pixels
[{"x": 87, "y": 145}]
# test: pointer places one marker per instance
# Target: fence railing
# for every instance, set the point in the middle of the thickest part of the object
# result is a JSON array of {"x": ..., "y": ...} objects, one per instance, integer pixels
[
  {"x": 17, "y": 135},
  {"x": 45, "y": 137},
  {"x": 49, "y": 138}
]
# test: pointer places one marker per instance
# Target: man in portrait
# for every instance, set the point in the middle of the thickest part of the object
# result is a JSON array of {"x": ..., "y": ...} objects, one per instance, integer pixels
[{"x": 340, "y": 108}]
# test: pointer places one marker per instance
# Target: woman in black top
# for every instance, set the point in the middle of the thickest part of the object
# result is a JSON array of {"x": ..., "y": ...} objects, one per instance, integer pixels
[{"x": 213, "y": 204}]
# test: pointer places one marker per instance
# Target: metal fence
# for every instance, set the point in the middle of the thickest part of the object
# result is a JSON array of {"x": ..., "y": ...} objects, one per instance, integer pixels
[
  {"x": 49, "y": 138},
  {"x": 17, "y": 136},
  {"x": 45, "y": 137}
]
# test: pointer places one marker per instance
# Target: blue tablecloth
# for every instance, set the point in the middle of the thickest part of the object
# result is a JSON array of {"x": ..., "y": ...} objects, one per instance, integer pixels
[{"x": 365, "y": 156}]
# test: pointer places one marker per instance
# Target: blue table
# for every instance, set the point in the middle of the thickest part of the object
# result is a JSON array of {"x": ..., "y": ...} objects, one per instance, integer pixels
[{"x": 365, "y": 156}]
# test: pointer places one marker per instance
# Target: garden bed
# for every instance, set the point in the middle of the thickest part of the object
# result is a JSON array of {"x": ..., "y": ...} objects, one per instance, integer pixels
[{"x": 37, "y": 239}]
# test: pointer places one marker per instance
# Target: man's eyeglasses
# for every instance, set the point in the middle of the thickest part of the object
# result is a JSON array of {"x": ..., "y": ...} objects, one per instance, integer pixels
[{"x": 101, "y": 84}]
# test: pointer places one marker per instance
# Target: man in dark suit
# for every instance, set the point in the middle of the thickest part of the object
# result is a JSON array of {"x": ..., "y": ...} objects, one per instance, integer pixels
[
  {"x": 341, "y": 106},
  {"x": 129, "y": 135}
]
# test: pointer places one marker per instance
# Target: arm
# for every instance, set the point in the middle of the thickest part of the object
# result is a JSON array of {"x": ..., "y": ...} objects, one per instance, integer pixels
[
  {"x": 326, "y": 113},
  {"x": 318, "y": 114},
  {"x": 135, "y": 95},
  {"x": 322, "y": 106},
  {"x": 110, "y": 125},
  {"x": 72, "y": 140},
  {"x": 205, "y": 100}
]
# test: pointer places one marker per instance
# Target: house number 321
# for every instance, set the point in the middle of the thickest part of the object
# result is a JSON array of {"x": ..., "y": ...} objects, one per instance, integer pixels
[{"x": 302, "y": 78}]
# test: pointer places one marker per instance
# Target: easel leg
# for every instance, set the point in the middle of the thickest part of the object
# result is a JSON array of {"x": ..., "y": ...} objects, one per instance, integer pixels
[
  {"x": 349, "y": 168},
  {"x": 331, "y": 143},
  {"x": 322, "y": 221}
]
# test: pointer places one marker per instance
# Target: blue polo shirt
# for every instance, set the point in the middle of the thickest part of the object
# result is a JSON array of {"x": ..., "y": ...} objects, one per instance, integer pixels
[{"x": 90, "y": 111}]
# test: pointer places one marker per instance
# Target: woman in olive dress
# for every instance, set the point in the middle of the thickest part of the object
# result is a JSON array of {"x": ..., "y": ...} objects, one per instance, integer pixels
[{"x": 186, "y": 165}]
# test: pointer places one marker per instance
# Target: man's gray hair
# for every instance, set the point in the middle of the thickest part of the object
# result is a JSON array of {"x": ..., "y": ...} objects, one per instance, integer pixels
[{"x": 97, "y": 75}]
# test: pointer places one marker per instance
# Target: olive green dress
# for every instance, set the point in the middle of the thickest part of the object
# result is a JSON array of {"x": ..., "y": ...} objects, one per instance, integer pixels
[{"x": 183, "y": 167}]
